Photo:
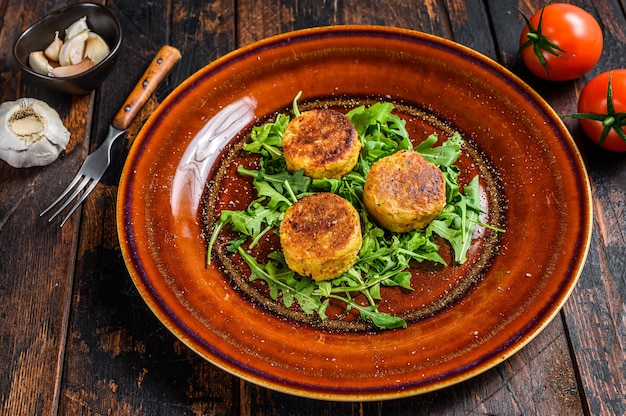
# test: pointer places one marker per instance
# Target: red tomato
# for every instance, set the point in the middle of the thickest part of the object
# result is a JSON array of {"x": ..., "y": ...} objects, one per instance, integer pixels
[
  {"x": 572, "y": 35},
  {"x": 593, "y": 100}
]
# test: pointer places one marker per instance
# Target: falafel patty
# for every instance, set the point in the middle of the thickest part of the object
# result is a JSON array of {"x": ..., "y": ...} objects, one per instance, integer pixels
[
  {"x": 321, "y": 236},
  {"x": 404, "y": 191},
  {"x": 323, "y": 142}
]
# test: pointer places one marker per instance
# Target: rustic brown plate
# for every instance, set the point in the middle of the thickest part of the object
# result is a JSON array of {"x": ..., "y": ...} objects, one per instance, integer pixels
[{"x": 539, "y": 182}]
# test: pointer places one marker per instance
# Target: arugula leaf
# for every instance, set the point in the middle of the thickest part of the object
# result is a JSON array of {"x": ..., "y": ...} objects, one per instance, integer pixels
[
  {"x": 384, "y": 257},
  {"x": 381, "y": 133},
  {"x": 275, "y": 186},
  {"x": 281, "y": 281},
  {"x": 380, "y": 319},
  {"x": 458, "y": 221},
  {"x": 267, "y": 139},
  {"x": 444, "y": 155}
]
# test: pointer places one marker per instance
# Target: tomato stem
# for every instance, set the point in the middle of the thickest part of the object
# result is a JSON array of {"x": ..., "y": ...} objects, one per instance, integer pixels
[
  {"x": 532, "y": 36},
  {"x": 540, "y": 43},
  {"x": 611, "y": 120}
]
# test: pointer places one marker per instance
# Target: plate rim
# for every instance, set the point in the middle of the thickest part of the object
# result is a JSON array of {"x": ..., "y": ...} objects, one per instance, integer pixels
[{"x": 156, "y": 305}]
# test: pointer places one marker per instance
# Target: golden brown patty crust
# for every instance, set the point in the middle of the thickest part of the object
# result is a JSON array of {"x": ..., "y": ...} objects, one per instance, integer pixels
[
  {"x": 404, "y": 191},
  {"x": 321, "y": 236},
  {"x": 323, "y": 142}
]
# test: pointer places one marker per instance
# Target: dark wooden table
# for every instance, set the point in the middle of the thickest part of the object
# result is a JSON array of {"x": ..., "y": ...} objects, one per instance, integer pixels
[{"x": 76, "y": 338}]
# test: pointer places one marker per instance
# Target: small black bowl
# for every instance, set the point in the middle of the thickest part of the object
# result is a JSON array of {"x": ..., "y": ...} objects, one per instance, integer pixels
[{"x": 37, "y": 37}]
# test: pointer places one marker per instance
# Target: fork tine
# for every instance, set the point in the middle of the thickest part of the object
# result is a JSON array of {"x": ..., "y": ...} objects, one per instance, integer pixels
[
  {"x": 82, "y": 198},
  {"x": 65, "y": 192},
  {"x": 97, "y": 163},
  {"x": 77, "y": 189}
]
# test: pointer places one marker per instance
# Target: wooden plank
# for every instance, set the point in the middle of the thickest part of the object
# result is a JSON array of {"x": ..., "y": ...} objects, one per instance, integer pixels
[
  {"x": 594, "y": 314},
  {"x": 537, "y": 378},
  {"x": 596, "y": 310},
  {"x": 543, "y": 364},
  {"x": 35, "y": 274},
  {"x": 261, "y": 19},
  {"x": 120, "y": 359},
  {"x": 470, "y": 26}
]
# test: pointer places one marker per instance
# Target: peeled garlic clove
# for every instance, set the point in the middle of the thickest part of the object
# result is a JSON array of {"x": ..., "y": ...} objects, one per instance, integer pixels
[
  {"x": 52, "y": 51},
  {"x": 96, "y": 48},
  {"x": 38, "y": 63},
  {"x": 31, "y": 133},
  {"x": 71, "y": 70},
  {"x": 75, "y": 28},
  {"x": 73, "y": 50}
]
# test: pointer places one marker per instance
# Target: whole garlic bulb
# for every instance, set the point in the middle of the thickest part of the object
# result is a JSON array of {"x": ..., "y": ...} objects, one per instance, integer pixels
[{"x": 31, "y": 133}]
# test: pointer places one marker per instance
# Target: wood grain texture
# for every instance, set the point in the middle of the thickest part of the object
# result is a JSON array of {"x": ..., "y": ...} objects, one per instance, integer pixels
[
  {"x": 77, "y": 339},
  {"x": 594, "y": 314},
  {"x": 470, "y": 26},
  {"x": 120, "y": 359},
  {"x": 36, "y": 260}
]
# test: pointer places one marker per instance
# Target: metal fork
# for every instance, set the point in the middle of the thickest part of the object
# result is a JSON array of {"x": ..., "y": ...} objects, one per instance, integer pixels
[{"x": 97, "y": 163}]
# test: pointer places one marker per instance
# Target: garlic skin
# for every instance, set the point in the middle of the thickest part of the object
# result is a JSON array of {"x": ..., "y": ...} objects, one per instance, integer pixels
[
  {"x": 39, "y": 63},
  {"x": 71, "y": 70},
  {"x": 53, "y": 49},
  {"x": 96, "y": 48},
  {"x": 31, "y": 133},
  {"x": 81, "y": 50},
  {"x": 75, "y": 28},
  {"x": 73, "y": 50}
]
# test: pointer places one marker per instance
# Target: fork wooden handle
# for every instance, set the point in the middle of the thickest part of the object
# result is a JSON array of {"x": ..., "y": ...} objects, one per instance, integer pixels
[{"x": 158, "y": 69}]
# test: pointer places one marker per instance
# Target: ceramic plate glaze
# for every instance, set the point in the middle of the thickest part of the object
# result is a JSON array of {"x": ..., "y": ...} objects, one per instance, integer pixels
[{"x": 535, "y": 181}]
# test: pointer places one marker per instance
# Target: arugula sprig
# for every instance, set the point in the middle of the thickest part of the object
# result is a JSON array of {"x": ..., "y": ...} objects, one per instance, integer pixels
[
  {"x": 283, "y": 281},
  {"x": 384, "y": 257}
]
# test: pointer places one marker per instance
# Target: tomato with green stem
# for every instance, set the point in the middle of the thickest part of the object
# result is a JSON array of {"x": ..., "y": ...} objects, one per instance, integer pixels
[
  {"x": 602, "y": 110},
  {"x": 560, "y": 42}
]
